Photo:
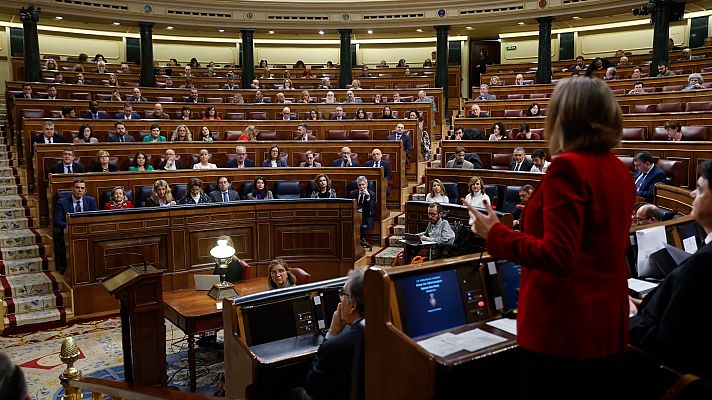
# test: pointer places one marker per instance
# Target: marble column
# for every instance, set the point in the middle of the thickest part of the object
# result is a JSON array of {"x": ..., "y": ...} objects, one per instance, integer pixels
[
  {"x": 543, "y": 72},
  {"x": 248, "y": 57},
  {"x": 30, "y": 16},
  {"x": 148, "y": 79},
  {"x": 345, "y": 73}
]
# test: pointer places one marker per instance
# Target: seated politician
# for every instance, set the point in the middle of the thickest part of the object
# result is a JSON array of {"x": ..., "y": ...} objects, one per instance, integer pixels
[
  {"x": 274, "y": 160},
  {"x": 67, "y": 165},
  {"x": 195, "y": 194},
  {"x": 48, "y": 134},
  {"x": 259, "y": 190},
  {"x": 322, "y": 188},
  {"x": 240, "y": 160},
  {"x": 161, "y": 195},
  {"x": 345, "y": 160},
  {"x": 224, "y": 192},
  {"x": 437, "y": 232},
  {"x": 75, "y": 203},
  {"x": 648, "y": 175},
  {"x": 278, "y": 275}
]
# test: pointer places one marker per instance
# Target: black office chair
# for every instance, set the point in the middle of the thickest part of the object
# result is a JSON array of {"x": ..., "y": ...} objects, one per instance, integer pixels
[
  {"x": 286, "y": 190},
  {"x": 245, "y": 189},
  {"x": 143, "y": 193},
  {"x": 453, "y": 192},
  {"x": 511, "y": 199}
]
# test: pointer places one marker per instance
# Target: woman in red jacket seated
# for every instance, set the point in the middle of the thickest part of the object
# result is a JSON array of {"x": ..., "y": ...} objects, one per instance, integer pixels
[
  {"x": 118, "y": 200},
  {"x": 572, "y": 321}
]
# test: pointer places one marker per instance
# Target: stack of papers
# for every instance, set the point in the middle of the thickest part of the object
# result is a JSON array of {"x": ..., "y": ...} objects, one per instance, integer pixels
[
  {"x": 508, "y": 325},
  {"x": 448, "y": 343}
]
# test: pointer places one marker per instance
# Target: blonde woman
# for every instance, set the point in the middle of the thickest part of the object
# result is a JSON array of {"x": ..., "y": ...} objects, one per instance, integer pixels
[
  {"x": 437, "y": 193},
  {"x": 182, "y": 134},
  {"x": 161, "y": 195},
  {"x": 204, "y": 157}
]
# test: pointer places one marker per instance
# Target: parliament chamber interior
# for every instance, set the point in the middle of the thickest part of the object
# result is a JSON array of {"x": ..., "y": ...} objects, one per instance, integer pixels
[{"x": 203, "y": 199}]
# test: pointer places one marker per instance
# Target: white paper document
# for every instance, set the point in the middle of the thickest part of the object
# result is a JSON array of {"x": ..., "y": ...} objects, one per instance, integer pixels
[
  {"x": 640, "y": 286},
  {"x": 690, "y": 244},
  {"x": 448, "y": 343},
  {"x": 440, "y": 347},
  {"x": 649, "y": 241},
  {"x": 505, "y": 324}
]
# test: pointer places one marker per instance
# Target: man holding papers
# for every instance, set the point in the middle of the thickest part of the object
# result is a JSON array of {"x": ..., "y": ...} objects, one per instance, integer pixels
[{"x": 672, "y": 321}]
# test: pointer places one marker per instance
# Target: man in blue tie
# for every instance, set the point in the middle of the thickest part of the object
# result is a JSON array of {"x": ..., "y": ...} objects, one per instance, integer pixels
[
  {"x": 224, "y": 193},
  {"x": 67, "y": 165},
  {"x": 94, "y": 112},
  {"x": 77, "y": 202},
  {"x": 648, "y": 175}
]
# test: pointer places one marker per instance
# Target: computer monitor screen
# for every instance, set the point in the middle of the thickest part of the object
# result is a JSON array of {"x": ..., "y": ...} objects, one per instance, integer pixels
[
  {"x": 276, "y": 320},
  {"x": 430, "y": 303},
  {"x": 509, "y": 274}
]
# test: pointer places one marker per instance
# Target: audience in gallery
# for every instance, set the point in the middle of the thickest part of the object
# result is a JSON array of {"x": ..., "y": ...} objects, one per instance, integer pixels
[
  {"x": 278, "y": 275},
  {"x": 140, "y": 162},
  {"x": 118, "y": 200},
  {"x": 259, "y": 190},
  {"x": 194, "y": 194},
  {"x": 204, "y": 158},
  {"x": 476, "y": 195},
  {"x": 437, "y": 192}
]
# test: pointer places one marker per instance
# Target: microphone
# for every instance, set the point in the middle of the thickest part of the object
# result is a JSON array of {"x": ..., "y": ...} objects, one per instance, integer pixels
[{"x": 143, "y": 258}]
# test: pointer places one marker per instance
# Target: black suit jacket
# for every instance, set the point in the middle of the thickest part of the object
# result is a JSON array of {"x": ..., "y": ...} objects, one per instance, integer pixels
[
  {"x": 22, "y": 96},
  {"x": 342, "y": 118},
  {"x": 65, "y": 205},
  {"x": 60, "y": 169},
  {"x": 339, "y": 162},
  {"x": 56, "y": 138},
  {"x": 100, "y": 114},
  {"x": 387, "y": 171},
  {"x": 231, "y": 195},
  {"x": 233, "y": 163},
  {"x": 672, "y": 321},
  {"x": 97, "y": 168},
  {"x": 647, "y": 188},
  {"x": 332, "y": 374},
  {"x": 134, "y": 115},
  {"x": 113, "y": 137},
  {"x": 527, "y": 165},
  {"x": 281, "y": 118},
  {"x": 367, "y": 209}
]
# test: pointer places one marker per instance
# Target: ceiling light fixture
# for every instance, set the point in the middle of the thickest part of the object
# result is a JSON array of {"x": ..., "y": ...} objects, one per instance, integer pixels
[
  {"x": 117, "y": 23},
  {"x": 577, "y": 17},
  {"x": 270, "y": 32},
  {"x": 221, "y": 30},
  {"x": 469, "y": 28},
  {"x": 520, "y": 23}
]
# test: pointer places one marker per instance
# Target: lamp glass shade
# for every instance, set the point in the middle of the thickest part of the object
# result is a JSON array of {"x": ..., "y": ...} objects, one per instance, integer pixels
[{"x": 222, "y": 250}]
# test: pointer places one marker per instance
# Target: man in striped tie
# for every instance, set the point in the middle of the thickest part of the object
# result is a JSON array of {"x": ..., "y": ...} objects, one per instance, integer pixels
[{"x": 224, "y": 192}]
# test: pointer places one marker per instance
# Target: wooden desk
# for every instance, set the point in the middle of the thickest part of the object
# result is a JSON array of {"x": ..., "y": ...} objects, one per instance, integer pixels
[{"x": 195, "y": 312}]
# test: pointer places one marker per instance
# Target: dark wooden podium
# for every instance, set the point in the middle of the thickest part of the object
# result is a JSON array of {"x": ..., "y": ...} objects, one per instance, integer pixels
[{"x": 143, "y": 331}]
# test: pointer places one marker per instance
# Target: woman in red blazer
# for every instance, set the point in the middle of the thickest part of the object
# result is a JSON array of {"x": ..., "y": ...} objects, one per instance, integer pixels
[{"x": 572, "y": 320}]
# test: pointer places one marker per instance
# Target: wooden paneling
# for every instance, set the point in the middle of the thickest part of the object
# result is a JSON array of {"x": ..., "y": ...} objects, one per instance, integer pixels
[{"x": 182, "y": 248}]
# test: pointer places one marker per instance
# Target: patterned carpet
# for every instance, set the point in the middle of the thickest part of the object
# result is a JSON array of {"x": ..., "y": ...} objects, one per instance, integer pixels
[{"x": 102, "y": 357}]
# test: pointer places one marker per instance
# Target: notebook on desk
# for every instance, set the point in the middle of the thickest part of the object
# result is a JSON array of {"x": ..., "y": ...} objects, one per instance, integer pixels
[
  {"x": 412, "y": 239},
  {"x": 205, "y": 282}
]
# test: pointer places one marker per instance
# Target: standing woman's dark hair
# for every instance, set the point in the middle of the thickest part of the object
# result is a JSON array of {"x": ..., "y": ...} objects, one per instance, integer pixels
[{"x": 573, "y": 310}]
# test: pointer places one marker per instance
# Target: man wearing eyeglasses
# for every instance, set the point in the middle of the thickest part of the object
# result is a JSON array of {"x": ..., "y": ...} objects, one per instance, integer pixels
[
  {"x": 332, "y": 375},
  {"x": 241, "y": 160},
  {"x": 437, "y": 232}
]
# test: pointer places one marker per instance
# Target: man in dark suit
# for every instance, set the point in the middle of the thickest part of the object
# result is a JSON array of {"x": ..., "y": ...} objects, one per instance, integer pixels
[
  {"x": 94, "y": 112},
  {"x": 303, "y": 133},
  {"x": 52, "y": 93},
  {"x": 401, "y": 134},
  {"x": 48, "y": 135},
  {"x": 366, "y": 202},
  {"x": 158, "y": 112},
  {"x": 340, "y": 114},
  {"x": 671, "y": 322},
  {"x": 648, "y": 175},
  {"x": 194, "y": 97},
  {"x": 120, "y": 134},
  {"x": 260, "y": 97},
  {"x": 26, "y": 92},
  {"x": 338, "y": 368},
  {"x": 128, "y": 113},
  {"x": 136, "y": 96},
  {"x": 377, "y": 161},
  {"x": 74, "y": 203},
  {"x": 520, "y": 162},
  {"x": 67, "y": 165},
  {"x": 345, "y": 160},
  {"x": 224, "y": 193},
  {"x": 170, "y": 162},
  {"x": 231, "y": 85},
  {"x": 241, "y": 161},
  {"x": 286, "y": 115}
]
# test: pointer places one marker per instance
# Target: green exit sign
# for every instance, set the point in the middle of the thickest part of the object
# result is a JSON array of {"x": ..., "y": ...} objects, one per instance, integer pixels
[{"x": 512, "y": 47}]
